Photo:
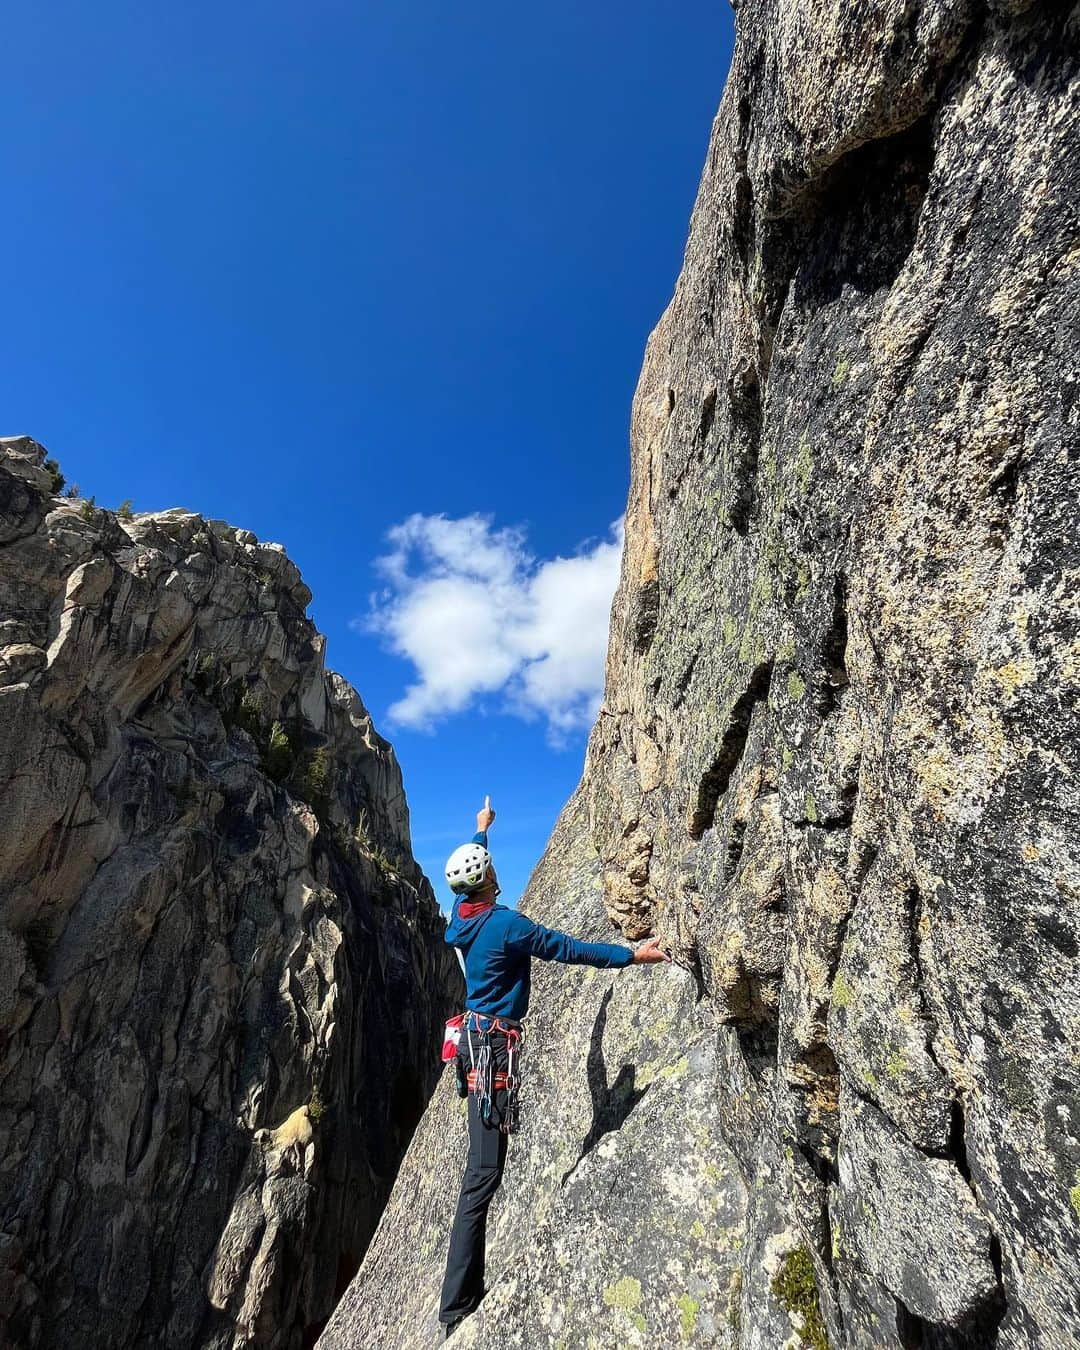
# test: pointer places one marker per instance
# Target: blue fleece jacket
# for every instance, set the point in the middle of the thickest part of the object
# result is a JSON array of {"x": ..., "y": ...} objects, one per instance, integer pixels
[{"x": 498, "y": 946}]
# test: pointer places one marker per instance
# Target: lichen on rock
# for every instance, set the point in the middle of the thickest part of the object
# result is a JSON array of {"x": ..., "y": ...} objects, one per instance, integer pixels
[{"x": 836, "y": 765}]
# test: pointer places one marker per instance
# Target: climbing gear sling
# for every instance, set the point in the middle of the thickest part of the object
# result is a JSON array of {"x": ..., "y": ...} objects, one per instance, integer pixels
[{"x": 483, "y": 1078}]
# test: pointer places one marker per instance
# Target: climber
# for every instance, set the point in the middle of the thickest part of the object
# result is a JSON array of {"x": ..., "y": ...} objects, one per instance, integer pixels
[{"x": 497, "y": 945}]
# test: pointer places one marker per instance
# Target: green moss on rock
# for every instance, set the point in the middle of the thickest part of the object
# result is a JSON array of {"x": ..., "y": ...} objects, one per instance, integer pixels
[{"x": 796, "y": 1288}]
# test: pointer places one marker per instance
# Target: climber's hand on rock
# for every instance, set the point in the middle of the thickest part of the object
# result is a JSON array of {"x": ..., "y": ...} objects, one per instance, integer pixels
[
  {"x": 649, "y": 953},
  {"x": 485, "y": 817}
]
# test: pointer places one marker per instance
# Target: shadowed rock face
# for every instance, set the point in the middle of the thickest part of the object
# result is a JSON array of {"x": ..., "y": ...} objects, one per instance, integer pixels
[
  {"x": 836, "y": 766},
  {"x": 222, "y": 975}
]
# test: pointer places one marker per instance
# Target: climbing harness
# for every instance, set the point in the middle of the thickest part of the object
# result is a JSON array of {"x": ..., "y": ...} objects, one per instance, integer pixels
[{"x": 483, "y": 1079}]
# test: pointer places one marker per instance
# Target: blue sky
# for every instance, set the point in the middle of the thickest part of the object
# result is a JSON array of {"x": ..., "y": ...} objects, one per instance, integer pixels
[{"x": 332, "y": 271}]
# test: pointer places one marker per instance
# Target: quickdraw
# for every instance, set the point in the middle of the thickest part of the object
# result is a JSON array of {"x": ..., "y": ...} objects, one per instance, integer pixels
[{"x": 483, "y": 1078}]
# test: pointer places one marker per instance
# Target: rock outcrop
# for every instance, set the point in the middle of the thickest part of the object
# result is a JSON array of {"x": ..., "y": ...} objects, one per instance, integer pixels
[
  {"x": 222, "y": 975},
  {"x": 836, "y": 767}
]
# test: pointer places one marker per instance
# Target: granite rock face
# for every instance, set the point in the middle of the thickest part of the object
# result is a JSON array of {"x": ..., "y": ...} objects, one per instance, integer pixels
[
  {"x": 222, "y": 975},
  {"x": 621, "y": 1214},
  {"x": 836, "y": 767}
]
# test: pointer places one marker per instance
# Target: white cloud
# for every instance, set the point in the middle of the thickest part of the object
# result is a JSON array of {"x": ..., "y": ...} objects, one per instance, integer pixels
[{"x": 478, "y": 614}]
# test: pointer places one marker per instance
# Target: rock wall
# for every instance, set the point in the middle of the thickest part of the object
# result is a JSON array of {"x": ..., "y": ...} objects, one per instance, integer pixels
[
  {"x": 836, "y": 766},
  {"x": 222, "y": 975},
  {"x": 622, "y": 1207}
]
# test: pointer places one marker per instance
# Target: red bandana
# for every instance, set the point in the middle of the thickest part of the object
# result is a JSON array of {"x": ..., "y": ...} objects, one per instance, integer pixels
[{"x": 469, "y": 909}]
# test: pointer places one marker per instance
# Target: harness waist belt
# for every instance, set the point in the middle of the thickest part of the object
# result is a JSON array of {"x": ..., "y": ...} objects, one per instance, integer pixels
[
  {"x": 499, "y": 1081},
  {"x": 497, "y": 1023}
]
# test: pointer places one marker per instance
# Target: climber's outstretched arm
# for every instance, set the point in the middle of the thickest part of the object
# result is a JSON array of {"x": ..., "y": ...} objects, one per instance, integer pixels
[{"x": 533, "y": 939}]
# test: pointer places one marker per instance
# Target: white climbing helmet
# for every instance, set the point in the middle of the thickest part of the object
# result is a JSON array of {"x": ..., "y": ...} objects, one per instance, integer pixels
[{"x": 467, "y": 867}]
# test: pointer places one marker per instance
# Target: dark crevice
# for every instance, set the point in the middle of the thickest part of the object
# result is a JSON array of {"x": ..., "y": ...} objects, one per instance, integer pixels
[
  {"x": 744, "y": 399},
  {"x": 647, "y": 615},
  {"x": 870, "y": 203},
  {"x": 957, "y": 1145},
  {"x": 823, "y": 1168},
  {"x": 849, "y": 796},
  {"x": 833, "y": 661},
  {"x": 742, "y": 214},
  {"x": 915, "y": 914},
  {"x": 826, "y": 1251},
  {"x": 994, "y": 1310},
  {"x": 995, "y": 1258},
  {"x": 866, "y": 855},
  {"x": 981, "y": 1330},
  {"x": 759, "y": 1044},
  {"x": 910, "y": 1329},
  {"x": 697, "y": 970},
  {"x": 855, "y": 228},
  {"x": 708, "y": 413},
  {"x": 407, "y": 1103},
  {"x": 714, "y": 782},
  {"x": 734, "y": 849},
  {"x": 683, "y": 682},
  {"x": 984, "y": 1326}
]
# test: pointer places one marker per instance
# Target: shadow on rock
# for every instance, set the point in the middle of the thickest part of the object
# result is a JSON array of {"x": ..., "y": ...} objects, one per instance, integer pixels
[{"x": 611, "y": 1105}]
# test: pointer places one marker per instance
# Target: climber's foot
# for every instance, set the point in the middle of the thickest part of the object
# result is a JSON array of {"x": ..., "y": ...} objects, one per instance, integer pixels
[{"x": 451, "y": 1327}]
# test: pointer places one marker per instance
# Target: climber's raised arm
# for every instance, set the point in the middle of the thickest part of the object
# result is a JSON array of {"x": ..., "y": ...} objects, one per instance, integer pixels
[{"x": 485, "y": 818}]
